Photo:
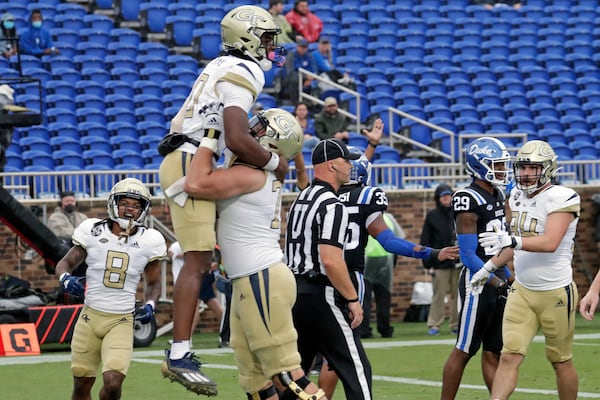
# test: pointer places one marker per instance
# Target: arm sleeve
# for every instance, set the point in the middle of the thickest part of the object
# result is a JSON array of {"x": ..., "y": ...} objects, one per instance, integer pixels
[
  {"x": 467, "y": 244},
  {"x": 395, "y": 245}
]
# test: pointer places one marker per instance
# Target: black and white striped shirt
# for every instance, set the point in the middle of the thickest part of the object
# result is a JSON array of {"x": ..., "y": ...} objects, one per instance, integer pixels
[{"x": 316, "y": 217}]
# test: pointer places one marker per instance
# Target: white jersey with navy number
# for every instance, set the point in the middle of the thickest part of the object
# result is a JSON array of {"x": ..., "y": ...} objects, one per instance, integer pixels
[
  {"x": 248, "y": 79},
  {"x": 536, "y": 270},
  {"x": 114, "y": 266},
  {"x": 248, "y": 229}
]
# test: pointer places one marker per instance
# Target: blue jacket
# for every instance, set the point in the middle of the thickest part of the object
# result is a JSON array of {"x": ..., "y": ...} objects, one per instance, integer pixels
[{"x": 34, "y": 41}]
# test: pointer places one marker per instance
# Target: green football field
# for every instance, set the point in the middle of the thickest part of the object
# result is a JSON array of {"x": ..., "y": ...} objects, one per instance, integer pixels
[{"x": 408, "y": 366}]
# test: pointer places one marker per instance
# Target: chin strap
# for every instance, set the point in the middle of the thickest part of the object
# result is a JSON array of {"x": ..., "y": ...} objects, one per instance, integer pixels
[{"x": 125, "y": 234}]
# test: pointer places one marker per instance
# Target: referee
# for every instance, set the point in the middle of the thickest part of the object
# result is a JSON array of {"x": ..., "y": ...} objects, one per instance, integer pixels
[{"x": 327, "y": 308}]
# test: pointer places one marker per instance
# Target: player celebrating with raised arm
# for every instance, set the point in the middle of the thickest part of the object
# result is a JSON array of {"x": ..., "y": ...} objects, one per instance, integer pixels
[
  {"x": 117, "y": 251},
  {"x": 216, "y": 108}
]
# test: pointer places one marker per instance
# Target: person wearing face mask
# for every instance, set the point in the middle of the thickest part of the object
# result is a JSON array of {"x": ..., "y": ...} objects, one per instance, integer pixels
[
  {"x": 8, "y": 35},
  {"x": 37, "y": 41},
  {"x": 65, "y": 218}
]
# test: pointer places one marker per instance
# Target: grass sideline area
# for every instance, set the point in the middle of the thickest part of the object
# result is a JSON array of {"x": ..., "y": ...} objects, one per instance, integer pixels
[{"x": 405, "y": 367}]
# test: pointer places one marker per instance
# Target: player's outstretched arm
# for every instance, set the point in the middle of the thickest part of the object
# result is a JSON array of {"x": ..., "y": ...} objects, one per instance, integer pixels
[{"x": 589, "y": 302}]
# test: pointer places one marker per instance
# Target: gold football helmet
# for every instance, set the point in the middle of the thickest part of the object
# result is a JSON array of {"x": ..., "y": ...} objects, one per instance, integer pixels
[
  {"x": 129, "y": 188},
  {"x": 278, "y": 131},
  {"x": 242, "y": 29},
  {"x": 535, "y": 152}
]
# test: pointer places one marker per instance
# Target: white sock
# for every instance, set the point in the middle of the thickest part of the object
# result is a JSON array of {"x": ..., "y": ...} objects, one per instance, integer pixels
[{"x": 178, "y": 349}]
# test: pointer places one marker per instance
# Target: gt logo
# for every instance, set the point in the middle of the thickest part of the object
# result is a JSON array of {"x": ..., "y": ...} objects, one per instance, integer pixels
[
  {"x": 285, "y": 125},
  {"x": 249, "y": 15}
]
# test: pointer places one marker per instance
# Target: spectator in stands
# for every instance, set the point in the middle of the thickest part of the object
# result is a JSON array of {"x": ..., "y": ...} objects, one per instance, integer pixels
[
  {"x": 489, "y": 4},
  {"x": 325, "y": 60},
  {"x": 36, "y": 40},
  {"x": 288, "y": 34},
  {"x": 8, "y": 35},
  {"x": 304, "y": 22},
  {"x": 299, "y": 58},
  {"x": 307, "y": 124},
  {"x": 330, "y": 123},
  {"x": 65, "y": 218}
]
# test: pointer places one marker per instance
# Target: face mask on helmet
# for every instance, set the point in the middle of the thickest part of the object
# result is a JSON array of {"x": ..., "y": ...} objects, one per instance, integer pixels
[
  {"x": 252, "y": 31},
  {"x": 361, "y": 169},
  {"x": 132, "y": 189},
  {"x": 534, "y": 166},
  {"x": 487, "y": 159},
  {"x": 278, "y": 131}
]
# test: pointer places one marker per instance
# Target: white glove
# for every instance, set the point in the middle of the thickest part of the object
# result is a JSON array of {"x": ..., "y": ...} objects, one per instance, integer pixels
[
  {"x": 493, "y": 242},
  {"x": 212, "y": 119},
  {"x": 481, "y": 277}
]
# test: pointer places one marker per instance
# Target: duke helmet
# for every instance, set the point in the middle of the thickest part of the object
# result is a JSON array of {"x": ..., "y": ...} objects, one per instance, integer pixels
[
  {"x": 361, "y": 169},
  {"x": 129, "y": 188},
  {"x": 535, "y": 152},
  {"x": 242, "y": 29},
  {"x": 278, "y": 131},
  {"x": 482, "y": 156}
]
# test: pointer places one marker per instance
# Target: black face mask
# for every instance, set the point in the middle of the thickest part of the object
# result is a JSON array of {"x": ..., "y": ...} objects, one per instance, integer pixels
[{"x": 69, "y": 209}]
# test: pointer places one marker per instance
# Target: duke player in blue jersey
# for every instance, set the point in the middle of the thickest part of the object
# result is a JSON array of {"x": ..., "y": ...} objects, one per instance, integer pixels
[{"x": 479, "y": 208}]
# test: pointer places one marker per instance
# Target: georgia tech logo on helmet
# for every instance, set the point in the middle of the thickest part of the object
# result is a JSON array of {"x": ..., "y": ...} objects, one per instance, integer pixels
[
  {"x": 248, "y": 14},
  {"x": 486, "y": 151},
  {"x": 285, "y": 125},
  {"x": 545, "y": 150}
]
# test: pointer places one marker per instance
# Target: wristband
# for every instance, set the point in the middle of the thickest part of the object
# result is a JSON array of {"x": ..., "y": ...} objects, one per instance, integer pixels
[
  {"x": 63, "y": 276},
  {"x": 152, "y": 304},
  {"x": 516, "y": 242},
  {"x": 273, "y": 163},
  {"x": 374, "y": 145},
  {"x": 209, "y": 143},
  {"x": 353, "y": 300}
]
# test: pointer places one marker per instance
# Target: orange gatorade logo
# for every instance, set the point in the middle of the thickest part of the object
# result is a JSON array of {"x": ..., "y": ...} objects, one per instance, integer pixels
[{"x": 18, "y": 340}]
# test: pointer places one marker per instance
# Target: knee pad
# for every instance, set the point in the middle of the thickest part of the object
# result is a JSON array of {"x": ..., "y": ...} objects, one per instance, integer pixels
[
  {"x": 295, "y": 389},
  {"x": 263, "y": 394}
]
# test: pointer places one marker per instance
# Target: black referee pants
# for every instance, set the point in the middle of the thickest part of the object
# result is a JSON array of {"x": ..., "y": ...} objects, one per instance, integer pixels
[{"x": 321, "y": 319}]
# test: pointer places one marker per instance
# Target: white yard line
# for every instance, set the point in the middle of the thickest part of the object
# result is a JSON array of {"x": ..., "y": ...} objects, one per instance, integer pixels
[{"x": 141, "y": 356}]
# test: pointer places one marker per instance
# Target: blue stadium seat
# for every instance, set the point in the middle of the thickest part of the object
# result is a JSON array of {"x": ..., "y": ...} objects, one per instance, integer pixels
[
  {"x": 98, "y": 158},
  {"x": 95, "y": 129},
  {"x": 99, "y": 22},
  {"x": 125, "y": 143},
  {"x": 91, "y": 101},
  {"x": 154, "y": 16},
  {"x": 132, "y": 159},
  {"x": 119, "y": 100},
  {"x": 64, "y": 129},
  {"x": 120, "y": 114},
  {"x": 95, "y": 143},
  {"x": 149, "y": 114},
  {"x": 151, "y": 128},
  {"x": 68, "y": 157},
  {"x": 154, "y": 75},
  {"x": 126, "y": 36},
  {"x": 150, "y": 141},
  {"x": 149, "y": 88},
  {"x": 180, "y": 30},
  {"x": 122, "y": 129},
  {"x": 38, "y": 158},
  {"x": 118, "y": 87},
  {"x": 120, "y": 61},
  {"x": 61, "y": 115},
  {"x": 184, "y": 74},
  {"x": 148, "y": 100},
  {"x": 34, "y": 143},
  {"x": 126, "y": 75},
  {"x": 65, "y": 143}
]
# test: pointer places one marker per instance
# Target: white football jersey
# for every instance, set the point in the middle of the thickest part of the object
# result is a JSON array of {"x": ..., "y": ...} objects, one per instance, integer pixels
[
  {"x": 249, "y": 80},
  {"x": 543, "y": 271},
  {"x": 249, "y": 228},
  {"x": 114, "y": 267}
]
